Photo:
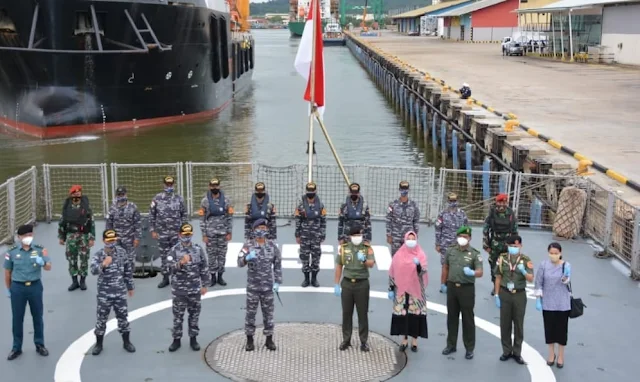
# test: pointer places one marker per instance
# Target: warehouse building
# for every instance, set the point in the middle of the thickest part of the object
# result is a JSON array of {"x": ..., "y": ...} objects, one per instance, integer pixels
[
  {"x": 410, "y": 21},
  {"x": 485, "y": 20}
]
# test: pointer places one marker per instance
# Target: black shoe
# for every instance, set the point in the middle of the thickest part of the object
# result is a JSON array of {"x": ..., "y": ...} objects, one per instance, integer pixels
[
  {"x": 519, "y": 359},
  {"x": 74, "y": 284},
  {"x": 83, "y": 284},
  {"x": 403, "y": 347},
  {"x": 414, "y": 348},
  {"x": 97, "y": 348},
  {"x": 448, "y": 351},
  {"x": 468, "y": 355},
  {"x": 221, "y": 280},
  {"x": 364, "y": 347},
  {"x": 14, "y": 354},
  {"x": 195, "y": 346},
  {"x": 40, "y": 349},
  {"x": 164, "y": 282},
  {"x": 314, "y": 279},
  {"x": 505, "y": 357},
  {"x": 214, "y": 280},
  {"x": 175, "y": 345},
  {"x": 493, "y": 293},
  {"x": 306, "y": 281},
  {"x": 345, "y": 345},
  {"x": 560, "y": 365},
  {"x": 126, "y": 343},
  {"x": 270, "y": 344},
  {"x": 250, "y": 346},
  {"x": 550, "y": 363}
]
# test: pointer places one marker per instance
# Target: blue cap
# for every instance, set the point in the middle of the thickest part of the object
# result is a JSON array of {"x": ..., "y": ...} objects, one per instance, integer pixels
[{"x": 259, "y": 222}]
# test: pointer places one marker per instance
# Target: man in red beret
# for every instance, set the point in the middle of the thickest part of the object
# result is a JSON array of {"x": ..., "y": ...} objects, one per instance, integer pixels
[
  {"x": 77, "y": 231},
  {"x": 498, "y": 226}
]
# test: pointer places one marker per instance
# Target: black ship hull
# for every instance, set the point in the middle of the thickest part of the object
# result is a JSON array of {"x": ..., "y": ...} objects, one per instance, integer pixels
[{"x": 146, "y": 64}]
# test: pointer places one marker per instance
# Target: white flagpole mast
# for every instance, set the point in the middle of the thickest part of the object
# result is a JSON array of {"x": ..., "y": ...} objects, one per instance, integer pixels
[{"x": 315, "y": 9}]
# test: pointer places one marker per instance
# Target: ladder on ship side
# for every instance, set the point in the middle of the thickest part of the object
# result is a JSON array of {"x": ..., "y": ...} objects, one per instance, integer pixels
[{"x": 148, "y": 30}]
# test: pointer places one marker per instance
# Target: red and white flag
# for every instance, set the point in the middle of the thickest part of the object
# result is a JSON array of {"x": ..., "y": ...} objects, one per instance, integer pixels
[{"x": 305, "y": 57}]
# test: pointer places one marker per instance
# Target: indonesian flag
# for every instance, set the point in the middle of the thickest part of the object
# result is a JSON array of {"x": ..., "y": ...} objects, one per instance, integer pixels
[{"x": 306, "y": 57}]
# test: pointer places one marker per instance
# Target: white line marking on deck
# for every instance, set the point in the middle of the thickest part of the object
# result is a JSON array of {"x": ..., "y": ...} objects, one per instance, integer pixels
[{"x": 70, "y": 363}]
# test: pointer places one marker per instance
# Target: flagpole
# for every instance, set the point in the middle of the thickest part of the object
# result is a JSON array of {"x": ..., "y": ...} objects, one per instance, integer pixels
[
  {"x": 333, "y": 149},
  {"x": 315, "y": 14}
]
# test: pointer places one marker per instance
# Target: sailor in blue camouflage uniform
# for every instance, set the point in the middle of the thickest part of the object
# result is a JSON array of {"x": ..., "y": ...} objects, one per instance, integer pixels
[
  {"x": 354, "y": 212},
  {"x": 264, "y": 276},
  {"x": 403, "y": 215},
  {"x": 216, "y": 226},
  {"x": 311, "y": 231},
  {"x": 260, "y": 208},
  {"x": 124, "y": 218},
  {"x": 447, "y": 225},
  {"x": 166, "y": 214},
  {"x": 114, "y": 269},
  {"x": 187, "y": 264},
  {"x": 22, "y": 271}
]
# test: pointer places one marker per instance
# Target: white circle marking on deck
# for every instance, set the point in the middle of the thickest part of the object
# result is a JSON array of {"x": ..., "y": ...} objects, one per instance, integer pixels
[{"x": 70, "y": 363}]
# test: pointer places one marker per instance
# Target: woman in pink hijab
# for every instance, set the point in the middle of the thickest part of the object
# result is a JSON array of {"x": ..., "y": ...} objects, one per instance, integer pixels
[{"x": 408, "y": 281}]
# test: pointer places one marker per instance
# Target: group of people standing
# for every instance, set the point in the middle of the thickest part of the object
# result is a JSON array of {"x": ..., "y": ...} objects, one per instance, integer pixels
[{"x": 189, "y": 269}]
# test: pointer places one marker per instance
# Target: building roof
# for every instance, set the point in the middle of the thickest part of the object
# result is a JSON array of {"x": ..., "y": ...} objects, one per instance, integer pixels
[
  {"x": 475, "y": 6},
  {"x": 565, "y": 5},
  {"x": 431, "y": 8}
]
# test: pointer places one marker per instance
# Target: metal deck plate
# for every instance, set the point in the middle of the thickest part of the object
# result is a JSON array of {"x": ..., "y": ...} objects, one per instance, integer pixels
[{"x": 306, "y": 352}]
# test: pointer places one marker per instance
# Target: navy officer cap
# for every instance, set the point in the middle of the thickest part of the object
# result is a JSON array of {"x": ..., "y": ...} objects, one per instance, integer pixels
[
  {"x": 259, "y": 222},
  {"x": 25, "y": 229}
]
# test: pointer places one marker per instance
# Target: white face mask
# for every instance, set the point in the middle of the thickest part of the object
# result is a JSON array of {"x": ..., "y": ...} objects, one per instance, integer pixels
[
  {"x": 27, "y": 240},
  {"x": 356, "y": 240},
  {"x": 411, "y": 243},
  {"x": 462, "y": 241}
]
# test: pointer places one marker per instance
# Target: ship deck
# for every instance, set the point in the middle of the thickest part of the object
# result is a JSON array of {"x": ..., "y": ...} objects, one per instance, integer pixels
[{"x": 596, "y": 351}]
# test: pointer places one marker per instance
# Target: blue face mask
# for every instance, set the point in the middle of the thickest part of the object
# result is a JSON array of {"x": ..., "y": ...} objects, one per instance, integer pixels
[
  {"x": 185, "y": 239},
  {"x": 260, "y": 233},
  {"x": 121, "y": 199},
  {"x": 514, "y": 251},
  {"x": 453, "y": 204},
  {"x": 109, "y": 245},
  {"x": 404, "y": 192},
  {"x": 168, "y": 190}
]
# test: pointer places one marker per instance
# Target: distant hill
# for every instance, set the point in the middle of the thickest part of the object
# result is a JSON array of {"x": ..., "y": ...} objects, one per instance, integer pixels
[{"x": 282, "y": 6}]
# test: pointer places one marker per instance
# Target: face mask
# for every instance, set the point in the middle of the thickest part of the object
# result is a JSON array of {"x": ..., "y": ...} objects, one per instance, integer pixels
[
  {"x": 311, "y": 195},
  {"x": 354, "y": 197},
  {"x": 514, "y": 251},
  {"x": 411, "y": 243},
  {"x": 215, "y": 191},
  {"x": 453, "y": 204},
  {"x": 356, "y": 240},
  {"x": 75, "y": 199},
  {"x": 404, "y": 192},
  {"x": 462, "y": 241},
  {"x": 109, "y": 245},
  {"x": 185, "y": 239},
  {"x": 168, "y": 190},
  {"x": 27, "y": 240},
  {"x": 121, "y": 199},
  {"x": 261, "y": 233},
  {"x": 260, "y": 195},
  {"x": 554, "y": 258}
]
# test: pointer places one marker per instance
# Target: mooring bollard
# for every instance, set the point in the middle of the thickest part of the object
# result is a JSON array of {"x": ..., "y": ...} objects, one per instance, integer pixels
[
  {"x": 468, "y": 152},
  {"x": 443, "y": 138},
  {"x": 434, "y": 136}
]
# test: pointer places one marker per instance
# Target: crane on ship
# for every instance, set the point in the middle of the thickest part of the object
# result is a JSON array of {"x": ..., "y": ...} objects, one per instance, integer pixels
[
  {"x": 376, "y": 10},
  {"x": 239, "y": 11}
]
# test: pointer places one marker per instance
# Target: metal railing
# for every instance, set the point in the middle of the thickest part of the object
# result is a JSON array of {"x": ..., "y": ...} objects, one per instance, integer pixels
[{"x": 535, "y": 199}]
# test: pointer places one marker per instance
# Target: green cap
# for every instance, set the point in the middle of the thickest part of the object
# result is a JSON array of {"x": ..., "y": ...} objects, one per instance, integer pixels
[{"x": 464, "y": 230}]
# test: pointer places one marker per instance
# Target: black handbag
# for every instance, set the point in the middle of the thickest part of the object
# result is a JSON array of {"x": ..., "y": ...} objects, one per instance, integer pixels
[{"x": 577, "y": 306}]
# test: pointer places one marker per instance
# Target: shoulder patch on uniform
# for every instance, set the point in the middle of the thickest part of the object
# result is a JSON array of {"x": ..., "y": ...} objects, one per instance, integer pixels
[
  {"x": 7, "y": 256},
  {"x": 390, "y": 209},
  {"x": 153, "y": 204},
  {"x": 479, "y": 258},
  {"x": 530, "y": 264}
]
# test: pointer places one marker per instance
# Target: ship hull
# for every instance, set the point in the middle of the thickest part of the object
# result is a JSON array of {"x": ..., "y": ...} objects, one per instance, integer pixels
[
  {"x": 67, "y": 86},
  {"x": 297, "y": 27}
]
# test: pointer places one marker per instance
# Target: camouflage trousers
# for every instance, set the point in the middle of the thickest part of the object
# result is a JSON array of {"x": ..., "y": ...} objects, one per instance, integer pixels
[
  {"x": 497, "y": 248},
  {"x": 165, "y": 244},
  {"x": 266, "y": 300},
  {"x": 119, "y": 305},
  {"x": 77, "y": 253},
  {"x": 127, "y": 245},
  {"x": 310, "y": 253},
  {"x": 396, "y": 244},
  {"x": 217, "y": 252},
  {"x": 192, "y": 303}
]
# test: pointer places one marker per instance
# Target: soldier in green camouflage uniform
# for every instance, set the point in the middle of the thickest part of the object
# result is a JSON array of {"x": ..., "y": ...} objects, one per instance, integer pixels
[
  {"x": 77, "y": 231},
  {"x": 499, "y": 225}
]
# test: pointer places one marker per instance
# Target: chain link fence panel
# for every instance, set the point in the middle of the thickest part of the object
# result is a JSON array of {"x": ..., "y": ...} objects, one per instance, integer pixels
[
  {"x": 476, "y": 190},
  {"x": 236, "y": 181},
  {"x": 143, "y": 181},
  {"x": 284, "y": 185},
  {"x": 26, "y": 197},
  {"x": 622, "y": 230},
  {"x": 6, "y": 233},
  {"x": 595, "y": 224},
  {"x": 59, "y": 178},
  {"x": 333, "y": 189}
]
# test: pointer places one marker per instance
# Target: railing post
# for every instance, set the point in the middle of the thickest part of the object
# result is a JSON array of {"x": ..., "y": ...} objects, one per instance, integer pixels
[
  {"x": 34, "y": 194},
  {"x": 608, "y": 222},
  {"x": 635, "y": 249},
  {"x": 11, "y": 199},
  {"x": 105, "y": 189},
  {"x": 114, "y": 179},
  {"x": 47, "y": 192}
]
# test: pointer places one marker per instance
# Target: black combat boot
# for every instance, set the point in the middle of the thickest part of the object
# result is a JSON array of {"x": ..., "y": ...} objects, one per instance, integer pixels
[
  {"x": 74, "y": 284},
  {"x": 250, "y": 346},
  {"x": 97, "y": 348},
  {"x": 270, "y": 344},
  {"x": 314, "y": 279},
  {"x": 214, "y": 280},
  {"x": 164, "y": 282},
  {"x": 221, "y": 280},
  {"x": 175, "y": 345},
  {"x": 194, "y": 344},
  {"x": 83, "y": 284},
  {"x": 306, "y": 282},
  {"x": 126, "y": 343}
]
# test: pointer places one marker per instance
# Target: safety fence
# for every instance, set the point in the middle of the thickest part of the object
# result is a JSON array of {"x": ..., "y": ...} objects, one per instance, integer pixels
[{"x": 534, "y": 198}]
